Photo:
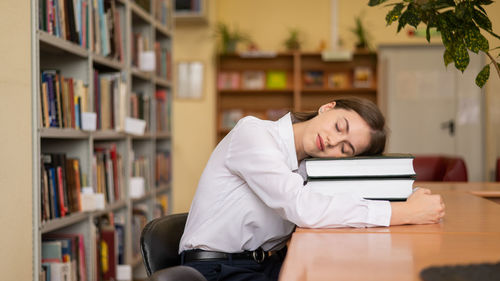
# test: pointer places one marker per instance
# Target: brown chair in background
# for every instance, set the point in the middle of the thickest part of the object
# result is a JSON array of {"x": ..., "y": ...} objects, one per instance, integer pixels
[
  {"x": 440, "y": 168},
  {"x": 497, "y": 175}
]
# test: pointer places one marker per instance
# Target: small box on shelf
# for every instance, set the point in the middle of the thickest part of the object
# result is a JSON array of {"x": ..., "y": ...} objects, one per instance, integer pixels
[{"x": 363, "y": 77}]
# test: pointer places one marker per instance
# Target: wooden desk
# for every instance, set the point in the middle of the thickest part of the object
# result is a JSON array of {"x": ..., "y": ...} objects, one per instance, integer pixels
[{"x": 470, "y": 233}]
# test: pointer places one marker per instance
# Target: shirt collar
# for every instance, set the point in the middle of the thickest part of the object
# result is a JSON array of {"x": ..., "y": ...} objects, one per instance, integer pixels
[{"x": 285, "y": 130}]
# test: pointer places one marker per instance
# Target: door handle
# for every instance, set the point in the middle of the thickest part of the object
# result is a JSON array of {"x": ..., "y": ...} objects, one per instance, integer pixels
[{"x": 450, "y": 126}]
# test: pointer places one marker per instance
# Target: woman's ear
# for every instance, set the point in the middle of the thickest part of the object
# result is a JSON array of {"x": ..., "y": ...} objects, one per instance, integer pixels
[{"x": 326, "y": 107}]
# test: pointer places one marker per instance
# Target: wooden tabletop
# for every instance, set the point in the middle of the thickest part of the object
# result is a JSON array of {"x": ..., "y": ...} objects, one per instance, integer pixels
[{"x": 469, "y": 233}]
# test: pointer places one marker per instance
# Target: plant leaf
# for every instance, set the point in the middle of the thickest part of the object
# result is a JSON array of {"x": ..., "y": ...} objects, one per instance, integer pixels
[
  {"x": 475, "y": 41},
  {"x": 461, "y": 56},
  {"x": 447, "y": 57},
  {"x": 484, "y": 2},
  {"x": 375, "y": 2},
  {"x": 394, "y": 14},
  {"x": 481, "y": 20},
  {"x": 483, "y": 76},
  {"x": 413, "y": 18}
]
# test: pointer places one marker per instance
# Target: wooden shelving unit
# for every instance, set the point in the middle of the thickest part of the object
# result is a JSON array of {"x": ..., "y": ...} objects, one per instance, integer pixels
[
  {"x": 299, "y": 94},
  {"x": 75, "y": 61}
]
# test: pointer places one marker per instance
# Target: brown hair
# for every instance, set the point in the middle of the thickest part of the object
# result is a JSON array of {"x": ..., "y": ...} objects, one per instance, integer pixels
[{"x": 368, "y": 111}]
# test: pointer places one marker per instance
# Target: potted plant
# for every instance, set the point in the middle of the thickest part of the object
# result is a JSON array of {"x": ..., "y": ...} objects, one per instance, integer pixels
[
  {"x": 292, "y": 43},
  {"x": 229, "y": 39},
  {"x": 459, "y": 22},
  {"x": 362, "y": 36}
]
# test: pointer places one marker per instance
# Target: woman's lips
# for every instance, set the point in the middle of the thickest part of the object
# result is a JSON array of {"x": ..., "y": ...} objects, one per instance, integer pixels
[{"x": 319, "y": 143}]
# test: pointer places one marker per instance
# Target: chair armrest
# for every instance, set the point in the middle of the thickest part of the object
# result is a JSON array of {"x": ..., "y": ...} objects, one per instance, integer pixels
[{"x": 177, "y": 273}]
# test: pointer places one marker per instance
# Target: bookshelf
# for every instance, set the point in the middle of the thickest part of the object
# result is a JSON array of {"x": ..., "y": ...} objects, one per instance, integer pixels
[
  {"x": 268, "y": 86},
  {"x": 100, "y": 67}
]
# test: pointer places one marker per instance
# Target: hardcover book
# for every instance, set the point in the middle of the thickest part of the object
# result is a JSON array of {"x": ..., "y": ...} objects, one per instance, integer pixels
[
  {"x": 388, "y": 165},
  {"x": 368, "y": 188}
]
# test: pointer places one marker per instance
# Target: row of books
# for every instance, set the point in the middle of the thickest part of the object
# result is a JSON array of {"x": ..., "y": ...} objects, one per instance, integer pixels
[
  {"x": 230, "y": 117},
  {"x": 163, "y": 57},
  {"x": 163, "y": 110},
  {"x": 386, "y": 177},
  {"x": 108, "y": 169},
  {"x": 109, "y": 101},
  {"x": 361, "y": 77},
  {"x": 253, "y": 80},
  {"x": 62, "y": 100},
  {"x": 61, "y": 182},
  {"x": 63, "y": 257},
  {"x": 107, "y": 27},
  {"x": 66, "y": 19}
]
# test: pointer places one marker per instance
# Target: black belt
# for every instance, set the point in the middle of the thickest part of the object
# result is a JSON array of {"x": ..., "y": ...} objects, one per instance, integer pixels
[{"x": 258, "y": 255}]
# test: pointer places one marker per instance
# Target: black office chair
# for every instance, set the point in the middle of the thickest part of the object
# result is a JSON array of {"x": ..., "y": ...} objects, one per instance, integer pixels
[{"x": 159, "y": 247}]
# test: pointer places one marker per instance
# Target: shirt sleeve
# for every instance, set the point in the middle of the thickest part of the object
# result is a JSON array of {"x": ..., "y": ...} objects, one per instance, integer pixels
[{"x": 255, "y": 156}]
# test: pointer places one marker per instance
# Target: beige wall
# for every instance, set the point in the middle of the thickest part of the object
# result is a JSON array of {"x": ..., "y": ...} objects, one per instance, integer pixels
[
  {"x": 267, "y": 23},
  {"x": 193, "y": 120},
  {"x": 15, "y": 141}
]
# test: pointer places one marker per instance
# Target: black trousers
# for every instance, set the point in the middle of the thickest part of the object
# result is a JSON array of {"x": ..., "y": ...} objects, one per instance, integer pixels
[{"x": 240, "y": 270}]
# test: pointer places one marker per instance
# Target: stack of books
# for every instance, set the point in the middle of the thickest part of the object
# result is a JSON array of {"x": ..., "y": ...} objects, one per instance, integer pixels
[{"x": 385, "y": 177}]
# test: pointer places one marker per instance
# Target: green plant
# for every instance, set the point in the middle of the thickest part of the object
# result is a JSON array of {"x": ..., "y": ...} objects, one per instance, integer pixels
[
  {"x": 361, "y": 34},
  {"x": 229, "y": 39},
  {"x": 292, "y": 43},
  {"x": 460, "y": 23}
]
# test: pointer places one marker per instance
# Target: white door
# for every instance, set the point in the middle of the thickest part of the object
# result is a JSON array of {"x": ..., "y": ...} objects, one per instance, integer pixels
[{"x": 432, "y": 109}]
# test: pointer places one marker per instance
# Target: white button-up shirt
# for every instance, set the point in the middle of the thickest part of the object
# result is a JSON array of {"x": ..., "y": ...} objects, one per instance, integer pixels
[{"x": 251, "y": 195}]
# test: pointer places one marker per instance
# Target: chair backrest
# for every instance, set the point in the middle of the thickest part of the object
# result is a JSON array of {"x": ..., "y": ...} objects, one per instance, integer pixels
[
  {"x": 455, "y": 170},
  {"x": 160, "y": 242},
  {"x": 497, "y": 177},
  {"x": 429, "y": 168},
  {"x": 440, "y": 168}
]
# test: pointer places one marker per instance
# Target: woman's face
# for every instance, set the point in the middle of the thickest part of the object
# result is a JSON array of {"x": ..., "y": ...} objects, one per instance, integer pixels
[{"x": 336, "y": 132}]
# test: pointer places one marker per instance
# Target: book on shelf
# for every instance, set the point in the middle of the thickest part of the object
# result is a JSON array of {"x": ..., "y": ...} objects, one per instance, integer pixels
[
  {"x": 388, "y": 176},
  {"x": 161, "y": 206},
  {"x": 109, "y": 100},
  {"x": 313, "y": 79},
  {"x": 141, "y": 168},
  {"x": 140, "y": 104},
  {"x": 253, "y": 80},
  {"x": 163, "y": 57},
  {"x": 106, "y": 246},
  {"x": 163, "y": 13},
  {"x": 163, "y": 106},
  {"x": 163, "y": 168},
  {"x": 362, "y": 77},
  {"x": 140, "y": 44},
  {"x": 276, "y": 79},
  {"x": 228, "y": 80},
  {"x": 338, "y": 80},
  {"x": 108, "y": 166},
  {"x": 66, "y": 19}
]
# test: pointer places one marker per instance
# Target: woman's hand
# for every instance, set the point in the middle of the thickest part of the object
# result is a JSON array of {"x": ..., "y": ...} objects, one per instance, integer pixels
[{"x": 421, "y": 207}]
